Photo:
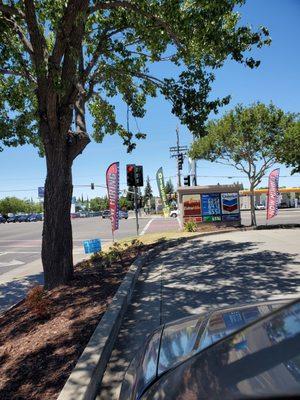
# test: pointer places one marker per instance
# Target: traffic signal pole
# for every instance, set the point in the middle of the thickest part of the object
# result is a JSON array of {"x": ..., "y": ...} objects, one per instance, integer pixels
[
  {"x": 178, "y": 152},
  {"x": 136, "y": 210}
]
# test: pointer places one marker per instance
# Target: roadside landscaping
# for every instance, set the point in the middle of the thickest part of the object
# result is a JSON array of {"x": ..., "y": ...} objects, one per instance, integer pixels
[{"x": 44, "y": 335}]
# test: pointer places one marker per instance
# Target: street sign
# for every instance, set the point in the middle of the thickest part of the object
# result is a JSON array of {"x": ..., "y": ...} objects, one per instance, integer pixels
[
  {"x": 41, "y": 192},
  {"x": 92, "y": 246}
]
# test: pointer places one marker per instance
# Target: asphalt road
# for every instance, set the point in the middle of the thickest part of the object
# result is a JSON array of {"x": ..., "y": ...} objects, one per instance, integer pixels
[
  {"x": 285, "y": 216},
  {"x": 20, "y": 243}
]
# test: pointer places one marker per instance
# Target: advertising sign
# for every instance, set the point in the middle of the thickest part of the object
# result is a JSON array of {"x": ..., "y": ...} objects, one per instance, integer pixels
[
  {"x": 212, "y": 218},
  {"x": 92, "y": 246},
  {"x": 273, "y": 194},
  {"x": 73, "y": 205},
  {"x": 230, "y": 217},
  {"x": 211, "y": 204},
  {"x": 191, "y": 205},
  {"x": 41, "y": 192},
  {"x": 230, "y": 203},
  {"x": 162, "y": 192},
  {"x": 112, "y": 183}
]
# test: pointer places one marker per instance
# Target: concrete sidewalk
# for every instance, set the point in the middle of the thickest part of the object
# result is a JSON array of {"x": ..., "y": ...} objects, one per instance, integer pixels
[
  {"x": 199, "y": 275},
  {"x": 14, "y": 284}
]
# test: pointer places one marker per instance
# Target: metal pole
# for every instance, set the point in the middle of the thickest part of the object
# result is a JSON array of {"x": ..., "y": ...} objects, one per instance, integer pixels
[
  {"x": 136, "y": 210},
  {"x": 178, "y": 169}
]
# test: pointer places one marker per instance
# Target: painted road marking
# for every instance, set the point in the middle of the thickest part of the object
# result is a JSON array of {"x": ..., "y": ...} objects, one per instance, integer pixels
[
  {"x": 11, "y": 263},
  {"x": 146, "y": 227},
  {"x": 19, "y": 252}
]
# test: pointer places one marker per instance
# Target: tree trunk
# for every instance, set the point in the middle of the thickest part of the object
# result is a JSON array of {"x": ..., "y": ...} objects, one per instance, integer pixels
[
  {"x": 57, "y": 244},
  {"x": 252, "y": 206}
]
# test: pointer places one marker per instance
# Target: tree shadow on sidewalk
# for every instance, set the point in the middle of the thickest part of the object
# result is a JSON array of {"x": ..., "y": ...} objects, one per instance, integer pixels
[{"x": 195, "y": 277}]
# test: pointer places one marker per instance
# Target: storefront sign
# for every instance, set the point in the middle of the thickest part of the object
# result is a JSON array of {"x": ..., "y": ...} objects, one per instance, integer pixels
[
  {"x": 112, "y": 183},
  {"x": 230, "y": 203},
  {"x": 211, "y": 204}
]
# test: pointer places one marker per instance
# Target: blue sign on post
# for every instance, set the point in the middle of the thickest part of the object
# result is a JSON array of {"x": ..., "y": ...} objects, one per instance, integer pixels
[
  {"x": 41, "y": 192},
  {"x": 92, "y": 246}
]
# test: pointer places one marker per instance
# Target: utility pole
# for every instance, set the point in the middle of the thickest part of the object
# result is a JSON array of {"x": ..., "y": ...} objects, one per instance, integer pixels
[
  {"x": 178, "y": 152},
  {"x": 178, "y": 164}
]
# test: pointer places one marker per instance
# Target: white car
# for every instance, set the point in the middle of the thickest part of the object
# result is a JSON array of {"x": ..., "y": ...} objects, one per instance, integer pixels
[
  {"x": 174, "y": 213},
  {"x": 260, "y": 207}
]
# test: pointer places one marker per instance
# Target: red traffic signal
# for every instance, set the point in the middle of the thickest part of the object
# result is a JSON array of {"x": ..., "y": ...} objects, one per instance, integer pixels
[{"x": 130, "y": 172}]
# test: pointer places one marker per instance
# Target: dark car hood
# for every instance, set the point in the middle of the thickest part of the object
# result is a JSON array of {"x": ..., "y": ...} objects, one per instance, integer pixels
[{"x": 175, "y": 342}]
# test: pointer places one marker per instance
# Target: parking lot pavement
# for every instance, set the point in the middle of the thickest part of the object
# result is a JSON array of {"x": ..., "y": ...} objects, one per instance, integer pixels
[{"x": 202, "y": 274}]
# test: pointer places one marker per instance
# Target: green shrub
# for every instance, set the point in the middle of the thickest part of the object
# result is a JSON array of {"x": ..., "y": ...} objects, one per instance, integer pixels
[{"x": 190, "y": 226}]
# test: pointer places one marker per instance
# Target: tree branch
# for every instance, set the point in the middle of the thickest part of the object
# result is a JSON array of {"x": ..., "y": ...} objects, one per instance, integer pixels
[
  {"x": 37, "y": 38},
  {"x": 133, "y": 7},
  {"x": 101, "y": 44},
  {"x": 74, "y": 7},
  {"x": 9, "y": 18}
]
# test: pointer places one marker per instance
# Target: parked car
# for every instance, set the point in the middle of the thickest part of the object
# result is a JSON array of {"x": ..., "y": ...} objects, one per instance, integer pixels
[
  {"x": 260, "y": 207},
  {"x": 11, "y": 218},
  {"x": 32, "y": 218},
  {"x": 123, "y": 214},
  {"x": 2, "y": 219},
  {"x": 39, "y": 217},
  {"x": 22, "y": 218},
  {"x": 106, "y": 214},
  {"x": 249, "y": 351},
  {"x": 174, "y": 213}
]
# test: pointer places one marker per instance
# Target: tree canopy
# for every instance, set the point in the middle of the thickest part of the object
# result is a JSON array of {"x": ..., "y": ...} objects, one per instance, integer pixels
[
  {"x": 59, "y": 58},
  {"x": 60, "y": 52},
  {"x": 247, "y": 138},
  {"x": 289, "y": 154}
]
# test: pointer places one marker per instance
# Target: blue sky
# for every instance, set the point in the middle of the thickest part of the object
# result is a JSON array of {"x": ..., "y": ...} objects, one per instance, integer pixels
[{"x": 277, "y": 79}]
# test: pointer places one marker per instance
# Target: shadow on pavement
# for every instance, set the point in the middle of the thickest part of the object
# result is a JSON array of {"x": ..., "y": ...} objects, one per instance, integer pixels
[
  {"x": 195, "y": 277},
  {"x": 14, "y": 291}
]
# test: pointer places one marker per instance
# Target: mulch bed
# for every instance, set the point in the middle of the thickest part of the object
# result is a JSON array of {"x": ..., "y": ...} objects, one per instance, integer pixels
[{"x": 39, "y": 349}]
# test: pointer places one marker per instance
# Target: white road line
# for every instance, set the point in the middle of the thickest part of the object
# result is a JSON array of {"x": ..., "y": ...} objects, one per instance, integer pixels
[
  {"x": 11, "y": 263},
  {"x": 146, "y": 227},
  {"x": 19, "y": 252}
]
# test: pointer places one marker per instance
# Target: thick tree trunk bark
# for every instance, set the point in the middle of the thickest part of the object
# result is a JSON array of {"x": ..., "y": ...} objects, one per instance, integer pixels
[
  {"x": 252, "y": 206},
  {"x": 57, "y": 244}
]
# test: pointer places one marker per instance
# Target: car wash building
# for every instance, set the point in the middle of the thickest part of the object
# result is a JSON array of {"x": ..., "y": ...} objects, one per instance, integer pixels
[{"x": 218, "y": 204}]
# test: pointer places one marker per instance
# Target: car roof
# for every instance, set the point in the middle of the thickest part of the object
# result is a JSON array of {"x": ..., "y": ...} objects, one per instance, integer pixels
[{"x": 261, "y": 359}]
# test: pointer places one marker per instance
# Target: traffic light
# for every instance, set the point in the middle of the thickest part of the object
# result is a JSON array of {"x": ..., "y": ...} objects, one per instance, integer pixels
[
  {"x": 139, "y": 181},
  {"x": 180, "y": 161},
  {"x": 92, "y": 186},
  {"x": 187, "y": 180},
  {"x": 130, "y": 170}
]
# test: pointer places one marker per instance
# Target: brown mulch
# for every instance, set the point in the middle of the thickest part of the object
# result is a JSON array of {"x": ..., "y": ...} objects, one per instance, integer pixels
[{"x": 38, "y": 350}]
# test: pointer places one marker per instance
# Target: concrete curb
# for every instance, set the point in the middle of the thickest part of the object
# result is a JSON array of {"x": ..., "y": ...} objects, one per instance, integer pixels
[{"x": 86, "y": 377}]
